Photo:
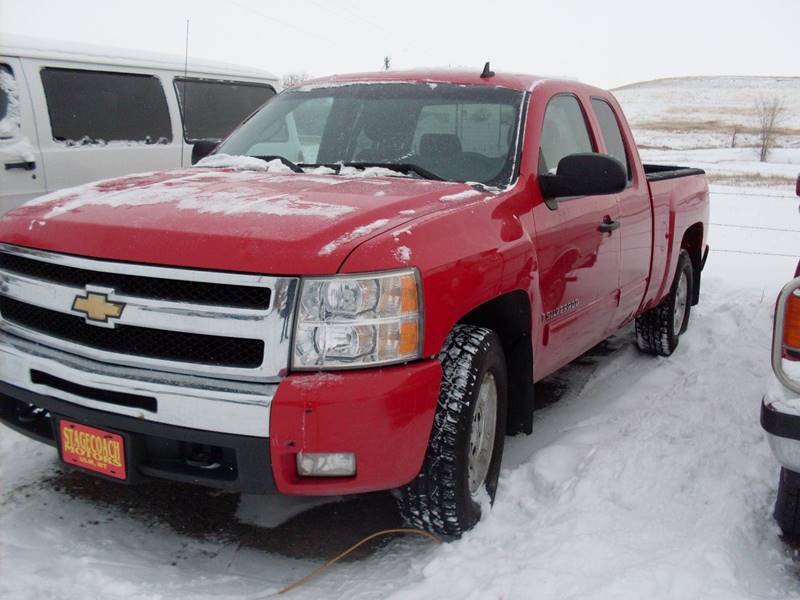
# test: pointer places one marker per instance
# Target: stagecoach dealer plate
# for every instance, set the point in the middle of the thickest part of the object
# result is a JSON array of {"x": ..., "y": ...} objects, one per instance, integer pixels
[{"x": 92, "y": 449}]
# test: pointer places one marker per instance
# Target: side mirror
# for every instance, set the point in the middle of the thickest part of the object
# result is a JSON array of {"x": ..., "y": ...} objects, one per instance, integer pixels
[
  {"x": 584, "y": 174},
  {"x": 203, "y": 148}
]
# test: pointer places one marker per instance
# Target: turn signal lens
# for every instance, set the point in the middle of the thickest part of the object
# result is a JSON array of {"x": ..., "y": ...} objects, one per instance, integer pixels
[{"x": 791, "y": 323}]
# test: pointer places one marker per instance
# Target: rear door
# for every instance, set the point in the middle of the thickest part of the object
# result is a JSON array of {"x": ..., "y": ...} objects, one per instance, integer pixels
[
  {"x": 21, "y": 173},
  {"x": 579, "y": 264},
  {"x": 99, "y": 123},
  {"x": 635, "y": 216}
]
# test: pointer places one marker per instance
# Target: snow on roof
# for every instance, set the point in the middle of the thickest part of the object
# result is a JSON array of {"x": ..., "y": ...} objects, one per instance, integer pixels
[{"x": 32, "y": 47}]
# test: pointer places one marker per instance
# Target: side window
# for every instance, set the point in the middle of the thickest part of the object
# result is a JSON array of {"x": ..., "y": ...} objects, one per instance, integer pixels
[
  {"x": 94, "y": 107},
  {"x": 211, "y": 109},
  {"x": 609, "y": 127},
  {"x": 9, "y": 104},
  {"x": 564, "y": 132}
]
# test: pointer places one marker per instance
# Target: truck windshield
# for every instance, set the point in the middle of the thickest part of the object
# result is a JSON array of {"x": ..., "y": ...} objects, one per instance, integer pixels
[{"x": 443, "y": 131}]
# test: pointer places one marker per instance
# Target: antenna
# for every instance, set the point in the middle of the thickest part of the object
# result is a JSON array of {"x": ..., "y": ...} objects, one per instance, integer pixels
[
  {"x": 185, "y": 75},
  {"x": 487, "y": 71}
]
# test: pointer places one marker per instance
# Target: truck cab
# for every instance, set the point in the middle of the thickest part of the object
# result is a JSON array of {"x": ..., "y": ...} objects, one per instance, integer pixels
[{"x": 368, "y": 313}]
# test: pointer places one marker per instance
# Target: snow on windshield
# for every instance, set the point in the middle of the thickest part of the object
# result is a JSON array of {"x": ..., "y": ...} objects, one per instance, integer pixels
[{"x": 243, "y": 163}]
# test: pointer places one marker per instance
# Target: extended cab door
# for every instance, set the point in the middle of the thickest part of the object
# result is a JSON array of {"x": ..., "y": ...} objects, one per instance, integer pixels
[
  {"x": 635, "y": 216},
  {"x": 578, "y": 263},
  {"x": 21, "y": 173}
]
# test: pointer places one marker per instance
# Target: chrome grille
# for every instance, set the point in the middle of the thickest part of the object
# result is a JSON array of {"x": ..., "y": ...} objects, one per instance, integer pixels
[{"x": 213, "y": 324}]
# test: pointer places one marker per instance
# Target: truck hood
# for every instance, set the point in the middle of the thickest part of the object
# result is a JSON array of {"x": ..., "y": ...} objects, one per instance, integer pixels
[{"x": 259, "y": 222}]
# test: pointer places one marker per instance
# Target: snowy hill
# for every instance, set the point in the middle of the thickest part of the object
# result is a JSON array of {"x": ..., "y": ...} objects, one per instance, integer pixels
[{"x": 693, "y": 120}]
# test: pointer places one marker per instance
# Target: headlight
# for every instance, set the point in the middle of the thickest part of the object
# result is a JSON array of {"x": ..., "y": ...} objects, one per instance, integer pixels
[{"x": 358, "y": 321}]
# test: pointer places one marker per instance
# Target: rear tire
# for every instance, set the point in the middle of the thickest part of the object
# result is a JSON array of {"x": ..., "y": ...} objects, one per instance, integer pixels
[
  {"x": 658, "y": 330},
  {"x": 787, "y": 506},
  {"x": 466, "y": 444}
]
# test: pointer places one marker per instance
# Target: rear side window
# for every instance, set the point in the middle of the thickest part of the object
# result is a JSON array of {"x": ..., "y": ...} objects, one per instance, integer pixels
[
  {"x": 9, "y": 103},
  {"x": 564, "y": 132},
  {"x": 94, "y": 107},
  {"x": 212, "y": 109},
  {"x": 609, "y": 127}
]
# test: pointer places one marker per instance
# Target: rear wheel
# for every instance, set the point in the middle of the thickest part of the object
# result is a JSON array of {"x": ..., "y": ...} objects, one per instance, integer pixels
[
  {"x": 462, "y": 462},
  {"x": 658, "y": 330}
]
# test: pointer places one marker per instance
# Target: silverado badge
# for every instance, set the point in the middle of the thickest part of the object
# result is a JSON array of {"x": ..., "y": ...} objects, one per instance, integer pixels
[{"x": 97, "y": 308}]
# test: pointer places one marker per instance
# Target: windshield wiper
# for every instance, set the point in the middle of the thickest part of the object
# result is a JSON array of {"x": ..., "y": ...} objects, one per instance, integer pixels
[
  {"x": 285, "y": 161},
  {"x": 405, "y": 168}
]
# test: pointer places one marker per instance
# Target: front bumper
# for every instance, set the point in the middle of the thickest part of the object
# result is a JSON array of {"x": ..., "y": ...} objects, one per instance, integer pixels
[
  {"x": 153, "y": 450},
  {"x": 782, "y": 425},
  {"x": 382, "y": 415}
]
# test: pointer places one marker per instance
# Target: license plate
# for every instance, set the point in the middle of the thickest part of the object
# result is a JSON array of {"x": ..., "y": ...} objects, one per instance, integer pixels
[{"x": 93, "y": 449}]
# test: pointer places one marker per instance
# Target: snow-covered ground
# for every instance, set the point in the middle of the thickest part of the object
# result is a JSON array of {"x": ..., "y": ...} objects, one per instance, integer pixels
[
  {"x": 644, "y": 477},
  {"x": 693, "y": 121}
]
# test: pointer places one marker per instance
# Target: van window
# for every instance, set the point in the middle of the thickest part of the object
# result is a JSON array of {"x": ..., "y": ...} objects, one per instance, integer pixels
[
  {"x": 612, "y": 136},
  {"x": 564, "y": 132},
  {"x": 212, "y": 109},
  {"x": 94, "y": 107},
  {"x": 9, "y": 103}
]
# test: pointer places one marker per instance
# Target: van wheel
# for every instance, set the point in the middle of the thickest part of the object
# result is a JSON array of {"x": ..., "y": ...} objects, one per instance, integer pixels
[
  {"x": 462, "y": 462},
  {"x": 787, "y": 506},
  {"x": 658, "y": 330}
]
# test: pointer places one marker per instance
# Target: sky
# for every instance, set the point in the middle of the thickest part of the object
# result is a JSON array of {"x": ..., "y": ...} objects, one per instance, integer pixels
[{"x": 602, "y": 42}]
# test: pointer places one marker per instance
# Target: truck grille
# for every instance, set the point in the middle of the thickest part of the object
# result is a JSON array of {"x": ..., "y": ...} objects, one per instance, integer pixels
[
  {"x": 138, "y": 341},
  {"x": 205, "y": 323},
  {"x": 196, "y": 292}
]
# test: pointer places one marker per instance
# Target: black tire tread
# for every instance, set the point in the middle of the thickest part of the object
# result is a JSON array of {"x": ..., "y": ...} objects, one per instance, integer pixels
[
  {"x": 430, "y": 501},
  {"x": 787, "y": 505},
  {"x": 654, "y": 333}
]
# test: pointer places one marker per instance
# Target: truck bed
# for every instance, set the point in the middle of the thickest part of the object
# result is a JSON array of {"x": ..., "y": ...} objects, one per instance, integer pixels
[{"x": 661, "y": 172}]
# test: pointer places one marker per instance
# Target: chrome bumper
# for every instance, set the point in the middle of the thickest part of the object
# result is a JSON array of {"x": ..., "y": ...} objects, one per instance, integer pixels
[
  {"x": 182, "y": 400},
  {"x": 781, "y": 422}
]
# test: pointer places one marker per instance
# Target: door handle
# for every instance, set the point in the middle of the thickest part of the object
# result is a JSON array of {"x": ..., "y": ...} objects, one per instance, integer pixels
[
  {"x": 25, "y": 165},
  {"x": 608, "y": 225}
]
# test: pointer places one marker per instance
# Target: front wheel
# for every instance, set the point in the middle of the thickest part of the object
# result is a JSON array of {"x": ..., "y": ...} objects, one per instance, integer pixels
[
  {"x": 658, "y": 329},
  {"x": 462, "y": 462},
  {"x": 787, "y": 505}
]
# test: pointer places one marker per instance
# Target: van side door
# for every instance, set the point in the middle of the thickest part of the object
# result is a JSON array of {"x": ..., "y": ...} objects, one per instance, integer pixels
[
  {"x": 21, "y": 172},
  {"x": 578, "y": 263},
  {"x": 100, "y": 122}
]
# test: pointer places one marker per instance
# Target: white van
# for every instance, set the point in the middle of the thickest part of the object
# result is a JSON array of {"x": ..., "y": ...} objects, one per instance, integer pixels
[{"x": 74, "y": 114}]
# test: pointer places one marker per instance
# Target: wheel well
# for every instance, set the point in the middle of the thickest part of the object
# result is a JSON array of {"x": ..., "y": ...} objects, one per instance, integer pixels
[
  {"x": 692, "y": 242},
  {"x": 509, "y": 316}
]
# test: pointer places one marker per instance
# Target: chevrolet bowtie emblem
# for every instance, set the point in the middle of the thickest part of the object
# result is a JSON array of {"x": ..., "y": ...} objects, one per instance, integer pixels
[{"x": 97, "y": 307}]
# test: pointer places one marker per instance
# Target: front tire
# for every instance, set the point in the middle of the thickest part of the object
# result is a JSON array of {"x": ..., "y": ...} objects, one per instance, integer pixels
[
  {"x": 658, "y": 330},
  {"x": 465, "y": 450},
  {"x": 787, "y": 506}
]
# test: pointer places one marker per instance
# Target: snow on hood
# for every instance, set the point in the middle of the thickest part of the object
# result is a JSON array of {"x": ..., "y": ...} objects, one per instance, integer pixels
[{"x": 246, "y": 216}]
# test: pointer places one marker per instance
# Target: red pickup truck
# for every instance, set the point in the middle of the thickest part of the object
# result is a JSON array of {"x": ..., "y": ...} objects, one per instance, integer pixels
[{"x": 355, "y": 292}]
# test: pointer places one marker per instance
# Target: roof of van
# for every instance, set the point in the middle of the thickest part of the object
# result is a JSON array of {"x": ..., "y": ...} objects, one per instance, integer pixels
[{"x": 39, "y": 48}]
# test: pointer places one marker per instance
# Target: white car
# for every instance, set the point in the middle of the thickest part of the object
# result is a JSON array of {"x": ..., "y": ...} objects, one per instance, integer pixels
[
  {"x": 780, "y": 410},
  {"x": 74, "y": 114}
]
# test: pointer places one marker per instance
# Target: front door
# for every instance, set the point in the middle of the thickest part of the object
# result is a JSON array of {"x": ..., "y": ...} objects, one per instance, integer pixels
[{"x": 578, "y": 263}]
